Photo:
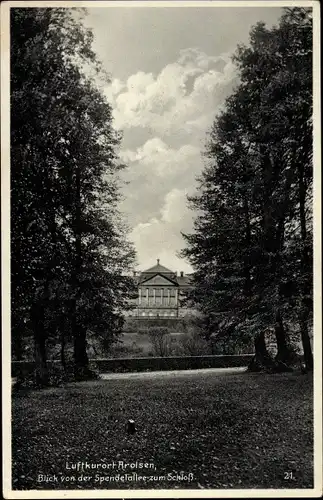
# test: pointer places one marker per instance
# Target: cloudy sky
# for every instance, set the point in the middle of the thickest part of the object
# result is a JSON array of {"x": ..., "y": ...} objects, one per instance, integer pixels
[{"x": 171, "y": 71}]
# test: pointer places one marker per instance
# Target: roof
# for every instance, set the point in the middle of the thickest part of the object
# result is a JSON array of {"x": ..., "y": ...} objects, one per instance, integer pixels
[
  {"x": 146, "y": 278},
  {"x": 158, "y": 269},
  {"x": 179, "y": 280},
  {"x": 183, "y": 280}
]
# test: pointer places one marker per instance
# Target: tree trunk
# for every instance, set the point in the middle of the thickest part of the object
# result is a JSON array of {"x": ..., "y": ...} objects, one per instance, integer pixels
[
  {"x": 63, "y": 360},
  {"x": 41, "y": 370},
  {"x": 17, "y": 336},
  {"x": 262, "y": 359},
  {"x": 81, "y": 361},
  {"x": 306, "y": 271},
  {"x": 307, "y": 348},
  {"x": 284, "y": 351},
  {"x": 246, "y": 260}
]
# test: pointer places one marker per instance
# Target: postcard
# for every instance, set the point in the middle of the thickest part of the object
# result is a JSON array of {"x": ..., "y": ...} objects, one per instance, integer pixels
[{"x": 161, "y": 249}]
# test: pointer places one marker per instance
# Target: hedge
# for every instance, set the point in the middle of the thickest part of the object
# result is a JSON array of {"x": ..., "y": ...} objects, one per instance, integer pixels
[
  {"x": 141, "y": 324},
  {"x": 116, "y": 365}
]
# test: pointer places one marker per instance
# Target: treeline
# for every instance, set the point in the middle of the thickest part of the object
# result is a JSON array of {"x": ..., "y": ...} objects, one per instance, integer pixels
[
  {"x": 69, "y": 251},
  {"x": 252, "y": 243}
]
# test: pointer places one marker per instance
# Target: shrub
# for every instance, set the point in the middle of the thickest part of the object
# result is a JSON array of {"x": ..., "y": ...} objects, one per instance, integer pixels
[
  {"x": 57, "y": 375},
  {"x": 194, "y": 344},
  {"x": 160, "y": 340}
]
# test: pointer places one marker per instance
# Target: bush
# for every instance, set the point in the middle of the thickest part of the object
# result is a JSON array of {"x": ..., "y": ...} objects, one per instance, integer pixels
[
  {"x": 160, "y": 340},
  {"x": 57, "y": 375},
  {"x": 194, "y": 344}
]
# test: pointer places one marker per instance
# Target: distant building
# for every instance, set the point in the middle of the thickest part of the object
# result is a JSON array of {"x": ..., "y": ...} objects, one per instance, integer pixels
[{"x": 160, "y": 293}]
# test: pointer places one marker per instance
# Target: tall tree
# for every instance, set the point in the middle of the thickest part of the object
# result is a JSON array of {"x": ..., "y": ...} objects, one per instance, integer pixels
[
  {"x": 254, "y": 190},
  {"x": 70, "y": 254}
]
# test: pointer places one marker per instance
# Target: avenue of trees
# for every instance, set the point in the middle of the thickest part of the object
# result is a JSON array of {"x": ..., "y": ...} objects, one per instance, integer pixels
[
  {"x": 251, "y": 247},
  {"x": 70, "y": 257}
]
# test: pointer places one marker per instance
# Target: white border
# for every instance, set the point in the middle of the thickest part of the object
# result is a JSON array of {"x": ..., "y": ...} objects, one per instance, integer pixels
[{"x": 5, "y": 264}]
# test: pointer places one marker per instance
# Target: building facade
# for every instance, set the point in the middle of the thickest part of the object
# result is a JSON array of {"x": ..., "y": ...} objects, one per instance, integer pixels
[{"x": 160, "y": 293}]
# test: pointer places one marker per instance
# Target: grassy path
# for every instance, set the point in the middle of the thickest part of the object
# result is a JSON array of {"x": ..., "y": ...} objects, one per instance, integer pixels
[{"x": 172, "y": 373}]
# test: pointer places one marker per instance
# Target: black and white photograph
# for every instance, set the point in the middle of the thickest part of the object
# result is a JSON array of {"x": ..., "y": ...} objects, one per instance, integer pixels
[{"x": 161, "y": 262}]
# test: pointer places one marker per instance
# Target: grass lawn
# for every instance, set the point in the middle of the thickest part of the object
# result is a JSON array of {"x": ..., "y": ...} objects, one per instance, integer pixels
[{"x": 235, "y": 430}]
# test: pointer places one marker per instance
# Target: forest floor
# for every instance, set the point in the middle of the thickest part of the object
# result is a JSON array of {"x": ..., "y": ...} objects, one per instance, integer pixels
[{"x": 201, "y": 430}]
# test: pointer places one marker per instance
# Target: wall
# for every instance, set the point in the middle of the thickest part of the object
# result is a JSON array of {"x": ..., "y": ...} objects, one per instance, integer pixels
[{"x": 149, "y": 364}]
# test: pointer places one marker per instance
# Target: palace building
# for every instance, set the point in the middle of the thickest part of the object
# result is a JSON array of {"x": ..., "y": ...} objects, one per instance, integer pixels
[{"x": 160, "y": 293}]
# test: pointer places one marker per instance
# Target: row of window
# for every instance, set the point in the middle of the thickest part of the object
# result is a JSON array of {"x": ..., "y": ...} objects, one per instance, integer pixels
[
  {"x": 158, "y": 292},
  {"x": 158, "y": 315},
  {"x": 158, "y": 301}
]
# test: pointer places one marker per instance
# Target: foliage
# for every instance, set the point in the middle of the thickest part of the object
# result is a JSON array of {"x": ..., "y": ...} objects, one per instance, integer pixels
[
  {"x": 252, "y": 242},
  {"x": 190, "y": 334},
  {"x": 70, "y": 254},
  {"x": 193, "y": 344}
]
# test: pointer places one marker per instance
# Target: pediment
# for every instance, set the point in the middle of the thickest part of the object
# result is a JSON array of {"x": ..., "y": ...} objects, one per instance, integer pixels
[{"x": 159, "y": 280}]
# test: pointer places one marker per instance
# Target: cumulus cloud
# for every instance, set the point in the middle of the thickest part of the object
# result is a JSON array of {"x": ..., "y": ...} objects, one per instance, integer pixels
[
  {"x": 155, "y": 170},
  {"x": 114, "y": 89},
  {"x": 160, "y": 237},
  {"x": 176, "y": 98},
  {"x": 173, "y": 111},
  {"x": 156, "y": 157}
]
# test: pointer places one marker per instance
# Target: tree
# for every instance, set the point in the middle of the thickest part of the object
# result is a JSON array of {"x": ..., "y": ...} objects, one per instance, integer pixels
[
  {"x": 70, "y": 255},
  {"x": 253, "y": 193}
]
